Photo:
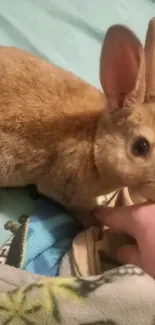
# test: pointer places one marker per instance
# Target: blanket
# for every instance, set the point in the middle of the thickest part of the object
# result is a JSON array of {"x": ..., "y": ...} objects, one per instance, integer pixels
[
  {"x": 125, "y": 295},
  {"x": 39, "y": 241},
  {"x": 52, "y": 271}
]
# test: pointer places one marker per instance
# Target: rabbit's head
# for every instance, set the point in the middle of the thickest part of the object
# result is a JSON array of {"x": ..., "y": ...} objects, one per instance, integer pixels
[{"x": 125, "y": 141}]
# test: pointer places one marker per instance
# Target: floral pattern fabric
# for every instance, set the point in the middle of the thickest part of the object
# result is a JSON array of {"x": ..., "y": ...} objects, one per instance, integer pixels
[{"x": 125, "y": 295}]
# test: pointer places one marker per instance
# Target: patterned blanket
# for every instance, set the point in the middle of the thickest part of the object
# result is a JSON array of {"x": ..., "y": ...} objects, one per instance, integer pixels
[
  {"x": 122, "y": 296},
  {"x": 52, "y": 271}
]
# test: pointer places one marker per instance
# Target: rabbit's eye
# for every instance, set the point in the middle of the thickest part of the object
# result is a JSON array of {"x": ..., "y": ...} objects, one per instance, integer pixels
[{"x": 141, "y": 147}]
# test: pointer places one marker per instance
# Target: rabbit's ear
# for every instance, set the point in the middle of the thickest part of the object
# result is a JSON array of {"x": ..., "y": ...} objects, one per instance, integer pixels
[
  {"x": 122, "y": 68},
  {"x": 150, "y": 61}
]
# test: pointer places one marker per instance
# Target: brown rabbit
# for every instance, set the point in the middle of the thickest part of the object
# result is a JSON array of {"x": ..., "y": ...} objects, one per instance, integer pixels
[{"x": 66, "y": 136}]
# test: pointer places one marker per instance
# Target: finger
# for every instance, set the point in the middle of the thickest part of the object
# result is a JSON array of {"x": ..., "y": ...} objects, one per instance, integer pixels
[
  {"x": 118, "y": 219},
  {"x": 129, "y": 254},
  {"x": 128, "y": 219}
]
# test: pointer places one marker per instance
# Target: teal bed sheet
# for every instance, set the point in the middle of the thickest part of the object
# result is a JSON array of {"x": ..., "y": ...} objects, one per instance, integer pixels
[{"x": 68, "y": 33}]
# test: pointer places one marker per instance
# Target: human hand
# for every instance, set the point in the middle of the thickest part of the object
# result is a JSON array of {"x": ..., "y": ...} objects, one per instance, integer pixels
[{"x": 137, "y": 221}]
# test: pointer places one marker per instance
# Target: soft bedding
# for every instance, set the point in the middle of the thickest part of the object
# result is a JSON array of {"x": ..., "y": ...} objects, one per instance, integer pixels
[
  {"x": 123, "y": 296},
  {"x": 54, "y": 272}
]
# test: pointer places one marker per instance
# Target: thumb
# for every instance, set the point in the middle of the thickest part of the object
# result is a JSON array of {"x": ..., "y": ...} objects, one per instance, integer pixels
[
  {"x": 118, "y": 219},
  {"x": 129, "y": 254}
]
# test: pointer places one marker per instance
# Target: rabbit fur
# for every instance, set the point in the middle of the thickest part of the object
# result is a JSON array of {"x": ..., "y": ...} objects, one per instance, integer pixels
[{"x": 70, "y": 139}]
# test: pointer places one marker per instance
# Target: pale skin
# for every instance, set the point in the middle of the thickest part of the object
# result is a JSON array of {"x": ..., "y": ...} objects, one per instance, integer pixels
[{"x": 137, "y": 221}]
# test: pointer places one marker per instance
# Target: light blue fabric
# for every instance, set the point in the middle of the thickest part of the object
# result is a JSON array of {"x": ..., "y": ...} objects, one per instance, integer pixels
[
  {"x": 50, "y": 232},
  {"x": 68, "y": 33}
]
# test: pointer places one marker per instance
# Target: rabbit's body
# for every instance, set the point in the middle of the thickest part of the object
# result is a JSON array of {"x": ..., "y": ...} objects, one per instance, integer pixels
[
  {"x": 48, "y": 122},
  {"x": 67, "y": 137}
]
